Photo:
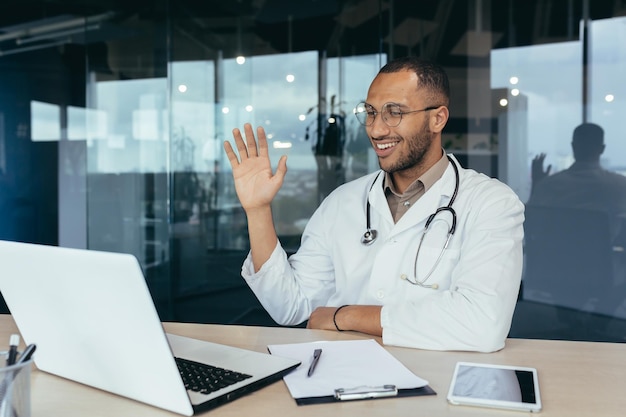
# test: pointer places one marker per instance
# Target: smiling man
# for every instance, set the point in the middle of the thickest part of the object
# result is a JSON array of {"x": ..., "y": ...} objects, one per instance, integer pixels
[{"x": 423, "y": 252}]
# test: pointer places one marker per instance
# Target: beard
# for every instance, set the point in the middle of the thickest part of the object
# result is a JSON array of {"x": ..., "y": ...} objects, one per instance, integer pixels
[{"x": 418, "y": 146}]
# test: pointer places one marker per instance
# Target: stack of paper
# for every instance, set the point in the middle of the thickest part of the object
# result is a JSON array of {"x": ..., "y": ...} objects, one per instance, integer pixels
[{"x": 346, "y": 364}]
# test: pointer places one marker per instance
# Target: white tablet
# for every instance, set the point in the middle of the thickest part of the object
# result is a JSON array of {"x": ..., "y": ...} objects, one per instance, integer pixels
[{"x": 498, "y": 386}]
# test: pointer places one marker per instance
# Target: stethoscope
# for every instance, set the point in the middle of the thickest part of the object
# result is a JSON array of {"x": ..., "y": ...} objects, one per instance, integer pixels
[{"x": 370, "y": 234}]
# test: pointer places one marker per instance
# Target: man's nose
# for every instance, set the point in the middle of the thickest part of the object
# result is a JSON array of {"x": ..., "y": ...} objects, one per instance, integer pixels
[{"x": 378, "y": 129}]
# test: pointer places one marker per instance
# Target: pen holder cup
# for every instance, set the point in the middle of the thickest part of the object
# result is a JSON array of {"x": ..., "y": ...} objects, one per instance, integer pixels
[{"x": 15, "y": 390}]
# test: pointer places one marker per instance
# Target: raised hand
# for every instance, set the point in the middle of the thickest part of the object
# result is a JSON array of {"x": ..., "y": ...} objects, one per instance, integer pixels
[
  {"x": 537, "y": 171},
  {"x": 255, "y": 183}
]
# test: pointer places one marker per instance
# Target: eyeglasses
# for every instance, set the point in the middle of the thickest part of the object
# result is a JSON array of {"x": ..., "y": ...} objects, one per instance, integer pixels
[{"x": 391, "y": 113}]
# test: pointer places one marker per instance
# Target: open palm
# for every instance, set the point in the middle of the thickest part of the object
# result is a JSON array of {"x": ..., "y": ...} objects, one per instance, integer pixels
[{"x": 255, "y": 183}]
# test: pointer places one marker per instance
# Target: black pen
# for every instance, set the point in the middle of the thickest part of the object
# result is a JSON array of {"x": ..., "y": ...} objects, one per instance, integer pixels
[
  {"x": 12, "y": 355},
  {"x": 27, "y": 354},
  {"x": 316, "y": 357}
]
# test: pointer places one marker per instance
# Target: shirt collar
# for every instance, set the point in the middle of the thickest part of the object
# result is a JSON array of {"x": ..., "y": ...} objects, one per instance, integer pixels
[{"x": 426, "y": 180}]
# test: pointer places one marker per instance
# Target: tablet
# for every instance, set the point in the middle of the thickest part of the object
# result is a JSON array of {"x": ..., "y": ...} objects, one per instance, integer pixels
[{"x": 497, "y": 386}]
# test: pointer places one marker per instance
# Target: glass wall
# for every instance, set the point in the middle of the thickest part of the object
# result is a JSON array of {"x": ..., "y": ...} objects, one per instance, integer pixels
[{"x": 112, "y": 119}]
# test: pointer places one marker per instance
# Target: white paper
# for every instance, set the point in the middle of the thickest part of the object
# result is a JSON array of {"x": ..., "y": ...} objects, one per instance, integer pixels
[{"x": 344, "y": 364}]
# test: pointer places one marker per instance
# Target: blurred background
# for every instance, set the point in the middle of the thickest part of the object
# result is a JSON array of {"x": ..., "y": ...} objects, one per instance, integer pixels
[{"x": 113, "y": 114}]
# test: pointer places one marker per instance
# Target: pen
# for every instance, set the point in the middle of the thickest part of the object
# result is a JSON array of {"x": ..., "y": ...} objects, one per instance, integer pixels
[
  {"x": 316, "y": 357},
  {"x": 28, "y": 352},
  {"x": 13, "y": 342}
]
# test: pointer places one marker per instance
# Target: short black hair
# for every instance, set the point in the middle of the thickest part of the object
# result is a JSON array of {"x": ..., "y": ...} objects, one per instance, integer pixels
[{"x": 431, "y": 76}]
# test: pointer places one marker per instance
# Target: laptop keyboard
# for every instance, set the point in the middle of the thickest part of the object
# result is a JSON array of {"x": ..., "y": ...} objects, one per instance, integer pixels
[{"x": 205, "y": 379}]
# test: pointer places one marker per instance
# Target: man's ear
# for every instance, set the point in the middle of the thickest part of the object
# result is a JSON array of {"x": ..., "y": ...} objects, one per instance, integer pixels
[{"x": 439, "y": 118}]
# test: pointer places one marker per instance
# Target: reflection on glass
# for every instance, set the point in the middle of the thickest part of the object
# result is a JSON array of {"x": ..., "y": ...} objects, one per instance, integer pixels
[
  {"x": 488, "y": 383},
  {"x": 86, "y": 124},
  {"x": 45, "y": 121},
  {"x": 3, "y": 158},
  {"x": 542, "y": 87},
  {"x": 575, "y": 230},
  {"x": 135, "y": 117},
  {"x": 573, "y": 183}
]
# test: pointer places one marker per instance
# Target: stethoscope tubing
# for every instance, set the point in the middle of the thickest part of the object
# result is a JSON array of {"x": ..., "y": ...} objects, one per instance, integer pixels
[{"x": 370, "y": 234}]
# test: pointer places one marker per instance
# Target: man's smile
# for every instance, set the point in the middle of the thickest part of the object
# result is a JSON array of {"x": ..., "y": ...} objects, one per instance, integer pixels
[{"x": 387, "y": 145}]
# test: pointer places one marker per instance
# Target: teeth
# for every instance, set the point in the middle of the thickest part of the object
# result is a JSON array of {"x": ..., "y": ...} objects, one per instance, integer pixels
[{"x": 386, "y": 145}]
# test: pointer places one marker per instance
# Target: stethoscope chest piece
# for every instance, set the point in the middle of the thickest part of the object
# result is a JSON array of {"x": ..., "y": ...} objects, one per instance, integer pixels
[
  {"x": 369, "y": 237},
  {"x": 370, "y": 234}
]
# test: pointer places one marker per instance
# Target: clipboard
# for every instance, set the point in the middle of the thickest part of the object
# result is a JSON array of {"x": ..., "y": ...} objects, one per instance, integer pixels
[
  {"x": 348, "y": 370},
  {"x": 367, "y": 393}
]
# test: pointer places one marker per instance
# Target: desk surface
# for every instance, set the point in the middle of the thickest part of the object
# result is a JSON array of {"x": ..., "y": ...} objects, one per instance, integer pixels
[{"x": 576, "y": 379}]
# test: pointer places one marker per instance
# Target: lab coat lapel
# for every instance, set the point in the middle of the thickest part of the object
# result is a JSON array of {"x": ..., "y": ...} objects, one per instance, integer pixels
[{"x": 379, "y": 206}]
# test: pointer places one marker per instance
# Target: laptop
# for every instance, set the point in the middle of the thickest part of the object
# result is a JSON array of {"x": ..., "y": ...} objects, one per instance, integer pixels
[{"x": 92, "y": 317}]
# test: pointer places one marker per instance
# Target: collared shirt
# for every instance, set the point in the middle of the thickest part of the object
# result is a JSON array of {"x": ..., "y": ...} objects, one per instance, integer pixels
[{"x": 401, "y": 203}]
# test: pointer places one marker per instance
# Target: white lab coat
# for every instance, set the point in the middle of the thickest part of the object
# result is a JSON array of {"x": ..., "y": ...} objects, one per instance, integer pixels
[{"x": 478, "y": 277}]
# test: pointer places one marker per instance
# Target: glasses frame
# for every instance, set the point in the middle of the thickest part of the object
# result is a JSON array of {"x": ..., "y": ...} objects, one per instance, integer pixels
[{"x": 383, "y": 112}]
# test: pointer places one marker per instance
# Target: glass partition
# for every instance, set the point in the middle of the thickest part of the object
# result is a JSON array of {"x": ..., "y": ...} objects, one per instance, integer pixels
[{"x": 113, "y": 118}]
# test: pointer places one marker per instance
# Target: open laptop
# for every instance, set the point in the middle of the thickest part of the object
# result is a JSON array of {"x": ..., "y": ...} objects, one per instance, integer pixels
[{"x": 93, "y": 320}]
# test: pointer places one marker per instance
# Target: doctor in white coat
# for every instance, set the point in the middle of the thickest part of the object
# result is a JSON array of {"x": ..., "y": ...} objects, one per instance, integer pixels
[{"x": 424, "y": 253}]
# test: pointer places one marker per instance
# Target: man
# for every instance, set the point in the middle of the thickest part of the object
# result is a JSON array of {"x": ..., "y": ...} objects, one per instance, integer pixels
[{"x": 458, "y": 298}]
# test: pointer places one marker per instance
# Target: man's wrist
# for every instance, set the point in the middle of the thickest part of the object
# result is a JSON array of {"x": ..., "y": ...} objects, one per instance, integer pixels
[
  {"x": 335, "y": 318},
  {"x": 258, "y": 211}
]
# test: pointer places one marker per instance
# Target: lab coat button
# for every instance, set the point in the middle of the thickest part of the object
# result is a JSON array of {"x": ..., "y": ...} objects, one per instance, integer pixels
[{"x": 380, "y": 294}]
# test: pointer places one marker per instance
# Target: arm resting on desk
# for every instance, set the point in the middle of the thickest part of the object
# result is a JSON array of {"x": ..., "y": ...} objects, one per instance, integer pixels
[{"x": 364, "y": 319}]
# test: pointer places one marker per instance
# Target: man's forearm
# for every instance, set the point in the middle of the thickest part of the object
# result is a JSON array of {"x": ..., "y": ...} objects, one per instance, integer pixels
[
  {"x": 262, "y": 235},
  {"x": 364, "y": 319}
]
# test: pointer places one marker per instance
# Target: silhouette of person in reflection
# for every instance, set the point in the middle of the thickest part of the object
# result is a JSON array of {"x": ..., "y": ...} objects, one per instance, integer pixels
[
  {"x": 585, "y": 184},
  {"x": 575, "y": 253}
]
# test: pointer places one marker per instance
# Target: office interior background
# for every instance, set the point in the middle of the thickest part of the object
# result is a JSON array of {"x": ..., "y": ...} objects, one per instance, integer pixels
[{"x": 113, "y": 114}]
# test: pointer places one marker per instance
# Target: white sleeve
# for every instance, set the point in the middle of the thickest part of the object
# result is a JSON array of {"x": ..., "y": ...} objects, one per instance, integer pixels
[{"x": 290, "y": 289}]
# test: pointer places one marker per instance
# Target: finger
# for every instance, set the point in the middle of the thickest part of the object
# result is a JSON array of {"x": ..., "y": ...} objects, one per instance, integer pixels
[
  {"x": 230, "y": 154},
  {"x": 241, "y": 146},
  {"x": 250, "y": 140},
  {"x": 281, "y": 169},
  {"x": 263, "y": 149}
]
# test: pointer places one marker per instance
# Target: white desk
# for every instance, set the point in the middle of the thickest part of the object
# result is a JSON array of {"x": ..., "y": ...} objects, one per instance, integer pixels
[{"x": 576, "y": 379}]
